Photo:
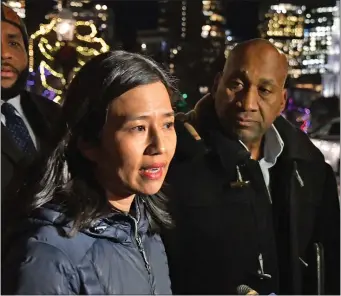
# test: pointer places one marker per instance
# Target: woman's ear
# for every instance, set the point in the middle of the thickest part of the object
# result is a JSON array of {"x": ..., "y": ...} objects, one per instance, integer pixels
[{"x": 88, "y": 150}]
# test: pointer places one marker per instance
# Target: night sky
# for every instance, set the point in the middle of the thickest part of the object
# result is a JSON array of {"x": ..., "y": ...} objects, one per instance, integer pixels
[{"x": 131, "y": 16}]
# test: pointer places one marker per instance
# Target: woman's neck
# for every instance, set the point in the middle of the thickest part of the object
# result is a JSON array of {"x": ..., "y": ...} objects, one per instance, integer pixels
[{"x": 121, "y": 203}]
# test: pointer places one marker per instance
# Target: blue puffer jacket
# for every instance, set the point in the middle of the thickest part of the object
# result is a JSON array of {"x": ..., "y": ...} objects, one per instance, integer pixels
[{"x": 114, "y": 256}]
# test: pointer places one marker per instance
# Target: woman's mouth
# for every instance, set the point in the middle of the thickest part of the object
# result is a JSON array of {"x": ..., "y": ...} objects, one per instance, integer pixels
[{"x": 152, "y": 172}]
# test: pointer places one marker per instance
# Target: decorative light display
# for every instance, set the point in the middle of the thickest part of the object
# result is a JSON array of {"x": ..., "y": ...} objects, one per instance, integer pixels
[
  {"x": 85, "y": 43},
  {"x": 284, "y": 27},
  {"x": 18, "y": 6}
]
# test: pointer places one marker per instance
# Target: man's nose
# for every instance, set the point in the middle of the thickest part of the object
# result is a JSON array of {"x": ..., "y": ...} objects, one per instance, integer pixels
[
  {"x": 249, "y": 100},
  {"x": 5, "y": 51}
]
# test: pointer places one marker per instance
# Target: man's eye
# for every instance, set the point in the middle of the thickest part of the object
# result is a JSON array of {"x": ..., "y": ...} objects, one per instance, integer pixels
[
  {"x": 264, "y": 90},
  {"x": 235, "y": 85},
  {"x": 139, "y": 128},
  {"x": 14, "y": 43}
]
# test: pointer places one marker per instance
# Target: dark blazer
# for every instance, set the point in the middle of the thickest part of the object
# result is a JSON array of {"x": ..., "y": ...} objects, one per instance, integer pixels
[{"x": 42, "y": 114}]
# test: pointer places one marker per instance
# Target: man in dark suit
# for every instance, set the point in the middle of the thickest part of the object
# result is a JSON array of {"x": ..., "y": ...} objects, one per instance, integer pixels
[{"x": 26, "y": 118}]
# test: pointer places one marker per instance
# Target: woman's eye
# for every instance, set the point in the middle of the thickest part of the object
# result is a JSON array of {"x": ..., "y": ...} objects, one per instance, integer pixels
[
  {"x": 139, "y": 128},
  {"x": 169, "y": 125}
]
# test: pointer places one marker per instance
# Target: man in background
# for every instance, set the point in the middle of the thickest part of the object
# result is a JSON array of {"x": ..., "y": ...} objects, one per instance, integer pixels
[
  {"x": 255, "y": 204},
  {"x": 26, "y": 118}
]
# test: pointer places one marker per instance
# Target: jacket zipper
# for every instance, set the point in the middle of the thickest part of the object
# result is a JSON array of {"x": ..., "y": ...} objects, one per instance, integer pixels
[{"x": 142, "y": 251}]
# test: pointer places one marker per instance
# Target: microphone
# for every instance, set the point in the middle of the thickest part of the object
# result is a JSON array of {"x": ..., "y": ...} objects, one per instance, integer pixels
[{"x": 245, "y": 290}]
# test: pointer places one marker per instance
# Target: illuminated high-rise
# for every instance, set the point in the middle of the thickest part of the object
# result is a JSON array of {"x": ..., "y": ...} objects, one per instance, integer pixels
[
  {"x": 195, "y": 33},
  {"x": 284, "y": 27},
  {"x": 331, "y": 75},
  {"x": 317, "y": 39}
]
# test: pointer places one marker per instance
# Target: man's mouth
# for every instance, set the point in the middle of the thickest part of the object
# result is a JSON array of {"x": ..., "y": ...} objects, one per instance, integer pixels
[{"x": 8, "y": 72}]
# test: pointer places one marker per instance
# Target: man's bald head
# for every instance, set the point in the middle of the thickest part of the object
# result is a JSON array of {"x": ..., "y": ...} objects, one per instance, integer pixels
[
  {"x": 264, "y": 50},
  {"x": 250, "y": 94}
]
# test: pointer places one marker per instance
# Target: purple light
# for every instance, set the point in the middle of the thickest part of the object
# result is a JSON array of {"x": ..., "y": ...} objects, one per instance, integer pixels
[
  {"x": 163, "y": 45},
  {"x": 46, "y": 93}
]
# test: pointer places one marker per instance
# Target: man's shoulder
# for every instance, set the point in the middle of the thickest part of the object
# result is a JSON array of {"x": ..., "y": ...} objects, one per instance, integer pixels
[
  {"x": 35, "y": 105},
  {"x": 190, "y": 145},
  {"x": 297, "y": 144},
  {"x": 42, "y": 101}
]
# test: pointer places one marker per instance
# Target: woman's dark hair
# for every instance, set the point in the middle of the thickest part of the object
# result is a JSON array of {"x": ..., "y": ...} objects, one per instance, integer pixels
[{"x": 67, "y": 177}]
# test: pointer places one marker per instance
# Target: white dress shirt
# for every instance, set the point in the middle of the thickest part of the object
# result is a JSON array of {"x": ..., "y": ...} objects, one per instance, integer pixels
[
  {"x": 15, "y": 102},
  {"x": 273, "y": 147}
]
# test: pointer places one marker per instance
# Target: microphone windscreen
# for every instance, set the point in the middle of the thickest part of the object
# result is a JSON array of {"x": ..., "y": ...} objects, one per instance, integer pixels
[{"x": 245, "y": 290}]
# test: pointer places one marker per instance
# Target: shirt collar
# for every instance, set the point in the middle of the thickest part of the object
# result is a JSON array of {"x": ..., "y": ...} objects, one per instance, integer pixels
[
  {"x": 15, "y": 102},
  {"x": 273, "y": 145}
]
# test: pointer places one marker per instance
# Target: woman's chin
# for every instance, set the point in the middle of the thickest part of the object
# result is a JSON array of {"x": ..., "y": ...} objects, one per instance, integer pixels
[{"x": 150, "y": 189}]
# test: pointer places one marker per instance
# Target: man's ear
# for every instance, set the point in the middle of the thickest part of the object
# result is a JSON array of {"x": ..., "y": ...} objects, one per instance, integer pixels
[
  {"x": 88, "y": 150},
  {"x": 216, "y": 83},
  {"x": 283, "y": 101}
]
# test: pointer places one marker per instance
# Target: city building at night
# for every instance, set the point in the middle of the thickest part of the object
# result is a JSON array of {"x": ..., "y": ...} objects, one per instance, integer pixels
[
  {"x": 283, "y": 25},
  {"x": 154, "y": 44},
  {"x": 317, "y": 39},
  {"x": 331, "y": 75},
  {"x": 195, "y": 39},
  {"x": 18, "y": 6}
]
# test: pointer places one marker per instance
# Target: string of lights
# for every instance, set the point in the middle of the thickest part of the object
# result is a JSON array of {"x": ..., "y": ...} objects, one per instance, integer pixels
[{"x": 48, "y": 46}]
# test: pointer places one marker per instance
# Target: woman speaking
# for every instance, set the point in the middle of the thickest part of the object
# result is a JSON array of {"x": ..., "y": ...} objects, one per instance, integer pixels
[{"x": 91, "y": 213}]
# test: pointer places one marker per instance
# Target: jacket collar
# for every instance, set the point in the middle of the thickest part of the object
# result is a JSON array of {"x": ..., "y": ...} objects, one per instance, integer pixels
[
  {"x": 297, "y": 145},
  {"x": 116, "y": 225}
]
